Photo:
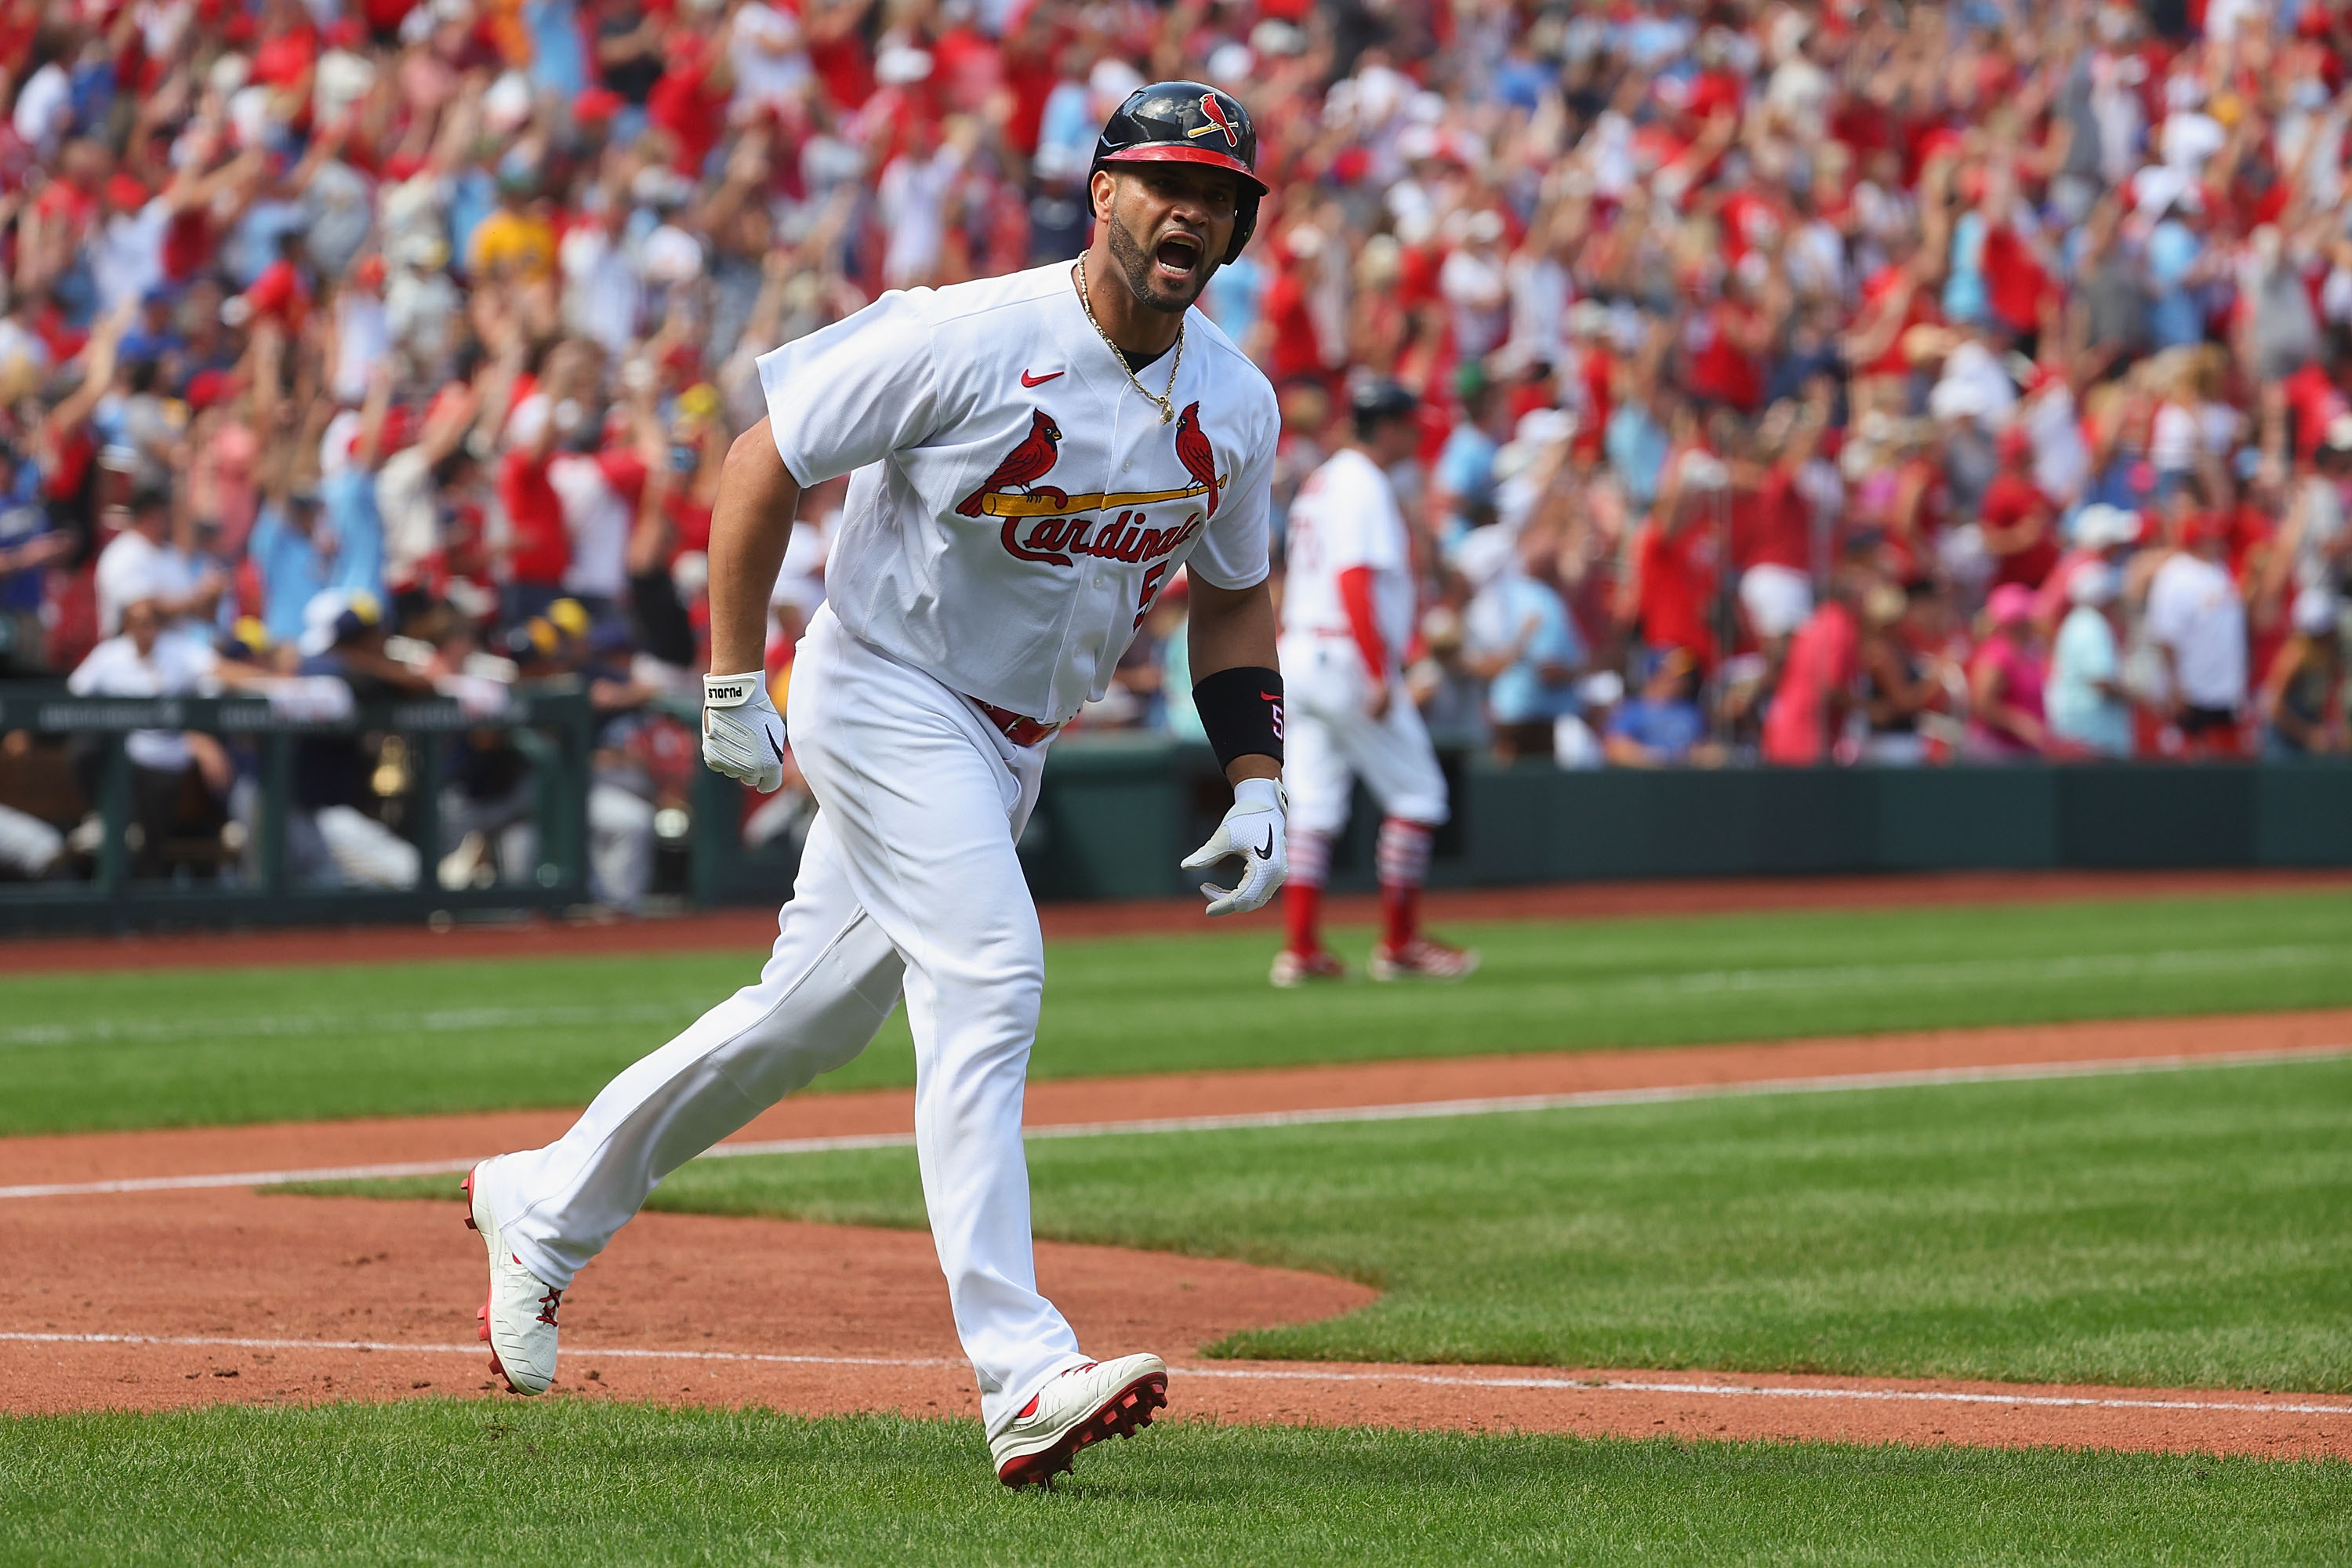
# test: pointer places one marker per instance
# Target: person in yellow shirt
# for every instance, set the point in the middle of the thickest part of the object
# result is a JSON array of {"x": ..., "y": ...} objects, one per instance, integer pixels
[{"x": 517, "y": 241}]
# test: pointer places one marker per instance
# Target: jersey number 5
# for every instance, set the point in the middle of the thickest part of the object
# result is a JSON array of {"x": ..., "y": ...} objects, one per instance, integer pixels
[{"x": 1151, "y": 581}]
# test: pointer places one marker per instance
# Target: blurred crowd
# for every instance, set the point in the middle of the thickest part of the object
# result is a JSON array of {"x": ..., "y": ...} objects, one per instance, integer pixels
[{"x": 1799, "y": 384}]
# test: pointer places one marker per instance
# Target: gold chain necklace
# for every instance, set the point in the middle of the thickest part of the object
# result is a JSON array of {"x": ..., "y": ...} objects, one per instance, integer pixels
[{"x": 1167, "y": 400}]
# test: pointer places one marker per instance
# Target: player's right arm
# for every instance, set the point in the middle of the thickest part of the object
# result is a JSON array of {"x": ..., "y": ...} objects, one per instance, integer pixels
[
  {"x": 1364, "y": 629},
  {"x": 1357, "y": 551},
  {"x": 842, "y": 398},
  {"x": 750, "y": 523}
]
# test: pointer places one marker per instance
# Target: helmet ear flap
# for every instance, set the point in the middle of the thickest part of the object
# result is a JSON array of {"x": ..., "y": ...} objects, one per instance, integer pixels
[{"x": 1244, "y": 225}]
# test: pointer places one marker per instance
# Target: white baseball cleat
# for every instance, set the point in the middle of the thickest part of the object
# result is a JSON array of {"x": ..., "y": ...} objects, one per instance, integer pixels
[
  {"x": 1100, "y": 1399},
  {"x": 519, "y": 1318},
  {"x": 1420, "y": 956},
  {"x": 1293, "y": 968}
]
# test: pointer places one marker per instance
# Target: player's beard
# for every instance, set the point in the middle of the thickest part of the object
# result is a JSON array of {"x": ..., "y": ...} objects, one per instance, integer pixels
[{"x": 1142, "y": 276}]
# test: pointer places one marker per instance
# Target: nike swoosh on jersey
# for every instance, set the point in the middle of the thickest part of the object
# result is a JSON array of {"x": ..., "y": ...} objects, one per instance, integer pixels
[{"x": 1028, "y": 380}]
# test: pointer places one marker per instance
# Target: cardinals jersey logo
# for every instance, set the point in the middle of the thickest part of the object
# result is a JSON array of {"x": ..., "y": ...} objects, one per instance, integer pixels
[
  {"x": 1217, "y": 122},
  {"x": 1051, "y": 525},
  {"x": 1030, "y": 461}
]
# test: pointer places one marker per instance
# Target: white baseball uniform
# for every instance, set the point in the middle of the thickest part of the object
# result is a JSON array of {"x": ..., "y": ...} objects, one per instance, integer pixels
[
  {"x": 1346, "y": 516},
  {"x": 1015, "y": 506}
]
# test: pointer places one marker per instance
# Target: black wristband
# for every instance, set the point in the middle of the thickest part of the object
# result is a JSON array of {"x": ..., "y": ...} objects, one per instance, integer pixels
[{"x": 1241, "y": 709}]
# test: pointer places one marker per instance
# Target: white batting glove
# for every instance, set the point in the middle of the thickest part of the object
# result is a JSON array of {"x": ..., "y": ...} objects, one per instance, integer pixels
[
  {"x": 1254, "y": 830},
  {"x": 742, "y": 734}
]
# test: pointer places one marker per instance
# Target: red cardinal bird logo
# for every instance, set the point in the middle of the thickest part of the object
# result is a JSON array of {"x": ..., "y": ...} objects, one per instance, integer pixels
[
  {"x": 1193, "y": 448},
  {"x": 1025, "y": 464},
  {"x": 1217, "y": 122}
]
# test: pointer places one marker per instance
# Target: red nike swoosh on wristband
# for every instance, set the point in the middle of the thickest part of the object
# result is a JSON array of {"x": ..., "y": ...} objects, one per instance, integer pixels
[{"x": 1269, "y": 696}]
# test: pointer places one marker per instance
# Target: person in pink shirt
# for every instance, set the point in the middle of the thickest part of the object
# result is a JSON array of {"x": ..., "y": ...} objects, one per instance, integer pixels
[
  {"x": 2005, "y": 680},
  {"x": 1816, "y": 680}
]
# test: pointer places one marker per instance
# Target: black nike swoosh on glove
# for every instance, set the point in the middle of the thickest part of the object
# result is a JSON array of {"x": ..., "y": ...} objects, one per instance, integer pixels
[
  {"x": 777, "y": 748},
  {"x": 1266, "y": 853}
]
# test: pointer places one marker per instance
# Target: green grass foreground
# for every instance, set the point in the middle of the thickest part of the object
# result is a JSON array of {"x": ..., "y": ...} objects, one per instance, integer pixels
[
  {"x": 188, "y": 1047},
  {"x": 2168, "y": 1230},
  {"x": 572, "y": 1481}
]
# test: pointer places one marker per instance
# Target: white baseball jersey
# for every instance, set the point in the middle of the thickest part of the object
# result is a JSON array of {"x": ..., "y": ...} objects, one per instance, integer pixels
[
  {"x": 1346, "y": 516},
  {"x": 1014, "y": 505}
]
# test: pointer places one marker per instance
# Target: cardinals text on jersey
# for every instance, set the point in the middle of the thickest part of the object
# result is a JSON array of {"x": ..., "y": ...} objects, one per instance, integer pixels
[{"x": 1015, "y": 506}]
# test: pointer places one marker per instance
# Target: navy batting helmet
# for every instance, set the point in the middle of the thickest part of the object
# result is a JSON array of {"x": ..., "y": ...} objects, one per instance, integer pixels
[
  {"x": 1374, "y": 398},
  {"x": 1188, "y": 122}
]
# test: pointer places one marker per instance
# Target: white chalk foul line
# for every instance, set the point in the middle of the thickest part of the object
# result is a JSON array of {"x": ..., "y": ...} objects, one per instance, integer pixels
[
  {"x": 1766, "y": 1391},
  {"x": 1413, "y": 1110},
  {"x": 230, "y": 1342},
  {"x": 1249, "y": 1374}
]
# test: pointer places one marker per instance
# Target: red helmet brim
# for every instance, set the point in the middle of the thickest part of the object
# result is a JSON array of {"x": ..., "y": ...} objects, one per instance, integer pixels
[{"x": 1165, "y": 152}]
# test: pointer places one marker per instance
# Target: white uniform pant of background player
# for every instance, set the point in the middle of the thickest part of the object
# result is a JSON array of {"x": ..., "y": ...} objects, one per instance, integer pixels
[
  {"x": 1328, "y": 741},
  {"x": 909, "y": 880}
]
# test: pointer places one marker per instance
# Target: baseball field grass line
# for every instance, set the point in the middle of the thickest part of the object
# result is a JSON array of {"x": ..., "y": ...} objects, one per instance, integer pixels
[
  {"x": 327, "y": 1176},
  {"x": 269, "y": 1026},
  {"x": 1463, "y": 1378},
  {"x": 2147, "y": 1230},
  {"x": 193, "y": 1048},
  {"x": 605, "y": 1481},
  {"x": 1955, "y": 974}
]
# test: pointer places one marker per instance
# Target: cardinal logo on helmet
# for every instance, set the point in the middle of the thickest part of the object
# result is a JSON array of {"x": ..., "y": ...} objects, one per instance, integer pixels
[{"x": 1217, "y": 122}]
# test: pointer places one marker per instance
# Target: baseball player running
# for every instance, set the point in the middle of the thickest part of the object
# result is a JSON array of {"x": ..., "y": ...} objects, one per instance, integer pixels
[
  {"x": 1347, "y": 614},
  {"x": 1031, "y": 458}
]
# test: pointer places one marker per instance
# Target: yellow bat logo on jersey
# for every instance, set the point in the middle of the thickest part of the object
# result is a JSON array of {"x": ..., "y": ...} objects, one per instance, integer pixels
[{"x": 1052, "y": 503}]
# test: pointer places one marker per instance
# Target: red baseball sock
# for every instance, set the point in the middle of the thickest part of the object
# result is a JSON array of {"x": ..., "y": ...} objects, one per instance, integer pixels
[
  {"x": 1302, "y": 895},
  {"x": 1403, "y": 857},
  {"x": 1400, "y": 914},
  {"x": 1302, "y": 912}
]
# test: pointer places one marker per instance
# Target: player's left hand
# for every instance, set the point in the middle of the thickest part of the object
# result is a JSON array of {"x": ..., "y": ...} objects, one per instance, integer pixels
[
  {"x": 1252, "y": 829},
  {"x": 742, "y": 734}
]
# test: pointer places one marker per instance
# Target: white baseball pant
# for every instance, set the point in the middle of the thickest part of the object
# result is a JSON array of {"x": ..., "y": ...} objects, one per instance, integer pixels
[
  {"x": 909, "y": 881},
  {"x": 1329, "y": 741}
]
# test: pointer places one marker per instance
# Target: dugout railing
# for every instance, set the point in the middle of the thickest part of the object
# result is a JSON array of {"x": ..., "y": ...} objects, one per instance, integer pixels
[
  {"x": 251, "y": 878},
  {"x": 1118, "y": 810}
]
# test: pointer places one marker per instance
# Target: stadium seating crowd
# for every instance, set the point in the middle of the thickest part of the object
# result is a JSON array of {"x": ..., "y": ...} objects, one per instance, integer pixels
[{"x": 1802, "y": 384}]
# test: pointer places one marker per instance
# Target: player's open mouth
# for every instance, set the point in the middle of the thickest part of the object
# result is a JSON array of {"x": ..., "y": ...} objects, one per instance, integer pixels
[{"x": 1178, "y": 256}]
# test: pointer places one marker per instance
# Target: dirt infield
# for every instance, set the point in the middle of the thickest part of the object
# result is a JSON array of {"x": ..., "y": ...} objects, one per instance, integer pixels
[
  {"x": 719, "y": 930},
  {"x": 235, "y": 1293},
  {"x": 287, "y": 1300},
  {"x": 150, "y": 1300}
]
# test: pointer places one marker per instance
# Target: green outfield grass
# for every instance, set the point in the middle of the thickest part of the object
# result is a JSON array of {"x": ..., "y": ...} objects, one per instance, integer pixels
[
  {"x": 2183, "y": 1228},
  {"x": 185, "y": 1046},
  {"x": 569, "y": 1482}
]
